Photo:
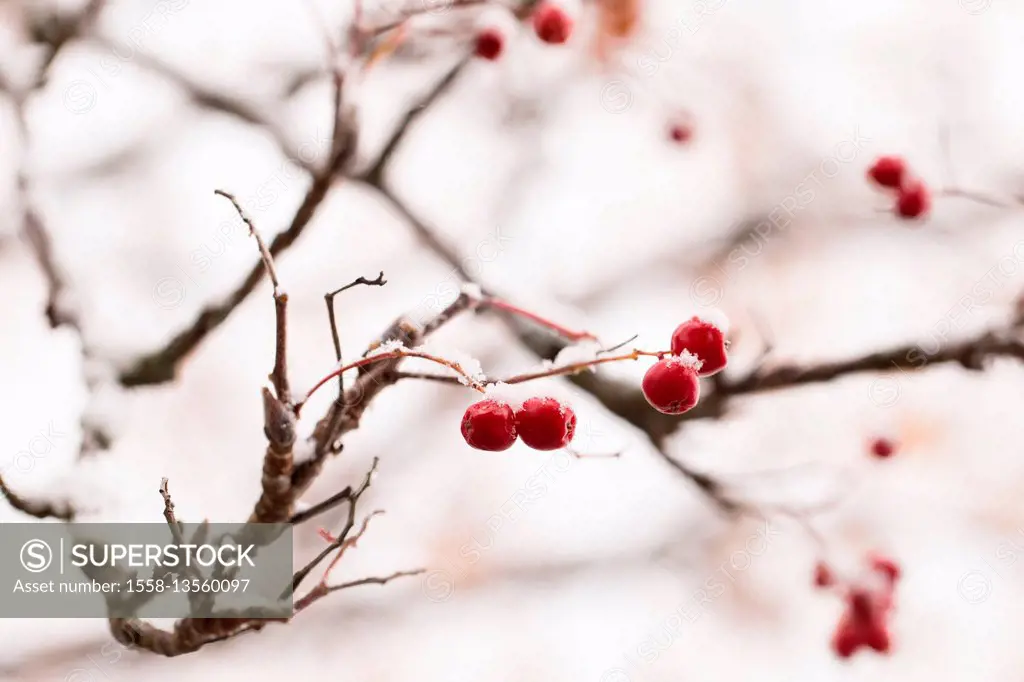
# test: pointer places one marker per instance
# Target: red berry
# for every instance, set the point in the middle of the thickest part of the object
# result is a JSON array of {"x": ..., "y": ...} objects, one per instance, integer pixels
[
  {"x": 489, "y": 425},
  {"x": 704, "y": 340},
  {"x": 913, "y": 200},
  {"x": 680, "y": 133},
  {"x": 845, "y": 641},
  {"x": 863, "y": 623},
  {"x": 489, "y": 43},
  {"x": 551, "y": 24},
  {"x": 545, "y": 423},
  {"x": 671, "y": 385},
  {"x": 883, "y": 448},
  {"x": 887, "y": 567},
  {"x": 878, "y": 638},
  {"x": 888, "y": 171},
  {"x": 823, "y": 575}
]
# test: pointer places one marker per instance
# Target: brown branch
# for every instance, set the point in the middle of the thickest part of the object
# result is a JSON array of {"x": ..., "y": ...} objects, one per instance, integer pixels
[
  {"x": 172, "y": 521},
  {"x": 344, "y": 416},
  {"x": 57, "y": 32},
  {"x": 337, "y": 543},
  {"x": 161, "y": 365},
  {"x": 279, "y": 376},
  {"x": 40, "y": 509},
  {"x": 213, "y": 99},
  {"x": 374, "y": 174},
  {"x": 331, "y": 318}
]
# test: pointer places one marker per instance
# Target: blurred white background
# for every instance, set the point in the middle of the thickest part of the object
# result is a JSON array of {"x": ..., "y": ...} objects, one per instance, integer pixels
[{"x": 605, "y": 224}]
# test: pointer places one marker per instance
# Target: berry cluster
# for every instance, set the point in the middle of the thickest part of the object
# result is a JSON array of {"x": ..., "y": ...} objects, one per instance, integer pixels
[
  {"x": 698, "y": 348},
  {"x": 542, "y": 423},
  {"x": 671, "y": 385},
  {"x": 868, "y": 607},
  {"x": 913, "y": 200},
  {"x": 551, "y": 23}
]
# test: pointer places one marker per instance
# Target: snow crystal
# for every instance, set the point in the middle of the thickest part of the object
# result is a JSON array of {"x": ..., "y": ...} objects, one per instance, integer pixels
[
  {"x": 687, "y": 359},
  {"x": 715, "y": 317},
  {"x": 584, "y": 351},
  {"x": 473, "y": 291},
  {"x": 513, "y": 395},
  {"x": 304, "y": 450},
  {"x": 469, "y": 364},
  {"x": 386, "y": 347}
]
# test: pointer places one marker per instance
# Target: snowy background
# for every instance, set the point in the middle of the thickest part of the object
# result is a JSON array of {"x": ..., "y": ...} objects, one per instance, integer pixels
[{"x": 603, "y": 224}]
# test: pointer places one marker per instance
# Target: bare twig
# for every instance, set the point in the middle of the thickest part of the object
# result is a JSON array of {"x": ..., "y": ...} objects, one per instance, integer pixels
[
  {"x": 279, "y": 376},
  {"x": 321, "y": 507},
  {"x": 329, "y": 300},
  {"x": 172, "y": 521},
  {"x": 374, "y": 174},
  {"x": 352, "y": 499}
]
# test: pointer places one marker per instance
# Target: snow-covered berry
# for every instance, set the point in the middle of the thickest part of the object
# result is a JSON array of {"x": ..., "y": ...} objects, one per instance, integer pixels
[
  {"x": 703, "y": 339},
  {"x": 671, "y": 385},
  {"x": 914, "y": 200},
  {"x": 551, "y": 23},
  {"x": 489, "y": 43},
  {"x": 545, "y": 423},
  {"x": 489, "y": 425},
  {"x": 888, "y": 171}
]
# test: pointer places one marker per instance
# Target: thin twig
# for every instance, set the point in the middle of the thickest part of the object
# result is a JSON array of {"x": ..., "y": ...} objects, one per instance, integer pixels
[
  {"x": 172, "y": 521},
  {"x": 352, "y": 499},
  {"x": 321, "y": 507},
  {"x": 279, "y": 376},
  {"x": 335, "y": 337}
]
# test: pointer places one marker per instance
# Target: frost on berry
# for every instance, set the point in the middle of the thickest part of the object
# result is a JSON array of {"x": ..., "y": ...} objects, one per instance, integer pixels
[
  {"x": 705, "y": 340},
  {"x": 489, "y": 425},
  {"x": 551, "y": 24},
  {"x": 489, "y": 43},
  {"x": 883, "y": 448},
  {"x": 913, "y": 201},
  {"x": 512, "y": 395},
  {"x": 888, "y": 171},
  {"x": 671, "y": 385},
  {"x": 545, "y": 423}
]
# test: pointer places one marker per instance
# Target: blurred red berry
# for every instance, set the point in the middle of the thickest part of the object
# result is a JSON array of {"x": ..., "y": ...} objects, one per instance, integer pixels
[
  {"x": 883, "y": 448},
  {"x": 888, "y": 171},
  {"x": 863, "y": 623},
  {"x": 489, "y": 425},
  {"x": 551, "y": 23},
  {"x": 913, "y": 201},
  {"x": 704, "y": 340},
  {"x": 489, "y": 43},
  {"x": 823, "y": 575},
  {"x": 671, "y": 385},
  {"x": 680, "y": 133},
  {"x": 887, "y": 567},
  {"x": 545, "y": 423}
]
